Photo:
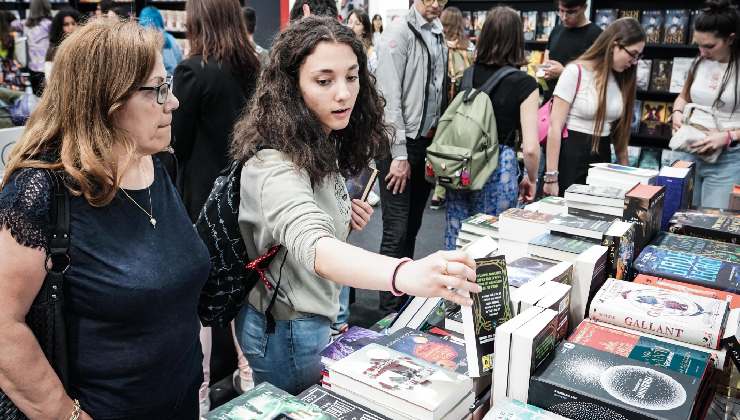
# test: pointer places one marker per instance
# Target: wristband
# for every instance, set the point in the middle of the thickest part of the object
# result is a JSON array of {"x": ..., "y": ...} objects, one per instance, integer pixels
[{"x": 394, "y": 290}]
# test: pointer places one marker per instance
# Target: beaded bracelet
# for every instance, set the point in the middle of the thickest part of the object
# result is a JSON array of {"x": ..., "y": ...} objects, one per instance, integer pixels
[
  {"x": 394, "y": 290},
  {"x": 75, "y": 410}
]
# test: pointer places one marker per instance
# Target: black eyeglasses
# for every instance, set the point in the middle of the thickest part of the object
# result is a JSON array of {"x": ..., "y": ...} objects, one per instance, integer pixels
[
  {"x": 163, "y": 90},
  {"x": 636, "y": 55}
]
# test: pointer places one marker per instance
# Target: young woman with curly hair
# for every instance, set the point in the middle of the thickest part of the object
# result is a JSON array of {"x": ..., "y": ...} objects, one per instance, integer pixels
[{"x": 315, "y": 119}]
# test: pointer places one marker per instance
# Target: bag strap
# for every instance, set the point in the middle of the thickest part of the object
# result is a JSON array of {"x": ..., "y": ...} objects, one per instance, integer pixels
[{"x": 490, "y": 85}]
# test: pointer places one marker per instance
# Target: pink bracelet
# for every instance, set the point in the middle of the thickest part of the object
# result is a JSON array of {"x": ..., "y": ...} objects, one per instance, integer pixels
[{"x": 401, "y": 262}]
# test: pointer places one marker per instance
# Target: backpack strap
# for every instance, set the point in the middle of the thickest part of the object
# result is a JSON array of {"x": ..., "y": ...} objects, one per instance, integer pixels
[
  {"x": 467, "y": 80},
  {"x": 490, "y": 85}
]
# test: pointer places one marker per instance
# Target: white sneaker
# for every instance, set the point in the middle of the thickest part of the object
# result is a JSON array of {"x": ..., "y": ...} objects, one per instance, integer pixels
[{"x": 373, "y": 199}]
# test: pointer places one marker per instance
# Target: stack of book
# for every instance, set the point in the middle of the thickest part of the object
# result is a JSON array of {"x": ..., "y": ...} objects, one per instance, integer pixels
[
  {"x": 710, "y": 224},
  {"x": 613, "y": 175},
  {"x": 476, "y": 227}
]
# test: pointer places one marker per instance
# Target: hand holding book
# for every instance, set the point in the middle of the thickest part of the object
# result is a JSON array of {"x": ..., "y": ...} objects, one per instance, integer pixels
[{"x": 437, "y": 275}]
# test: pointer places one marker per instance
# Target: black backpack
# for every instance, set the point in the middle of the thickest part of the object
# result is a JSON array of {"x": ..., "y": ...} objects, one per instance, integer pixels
[{"x": 233, "y": 274}]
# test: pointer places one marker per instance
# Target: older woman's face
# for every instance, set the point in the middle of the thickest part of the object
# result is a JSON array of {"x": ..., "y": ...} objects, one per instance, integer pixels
[{"x": 146, "y": 121}]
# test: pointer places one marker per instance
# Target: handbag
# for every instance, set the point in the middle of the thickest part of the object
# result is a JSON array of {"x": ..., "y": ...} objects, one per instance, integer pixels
[
  {"x": 543, "y": 114},
  {"x": 691, "y": 132},
  {"x": 45, "y": 317}
]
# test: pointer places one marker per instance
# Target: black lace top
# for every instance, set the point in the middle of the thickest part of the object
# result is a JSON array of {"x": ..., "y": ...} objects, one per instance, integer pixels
[{"x": 131, "y": 294}]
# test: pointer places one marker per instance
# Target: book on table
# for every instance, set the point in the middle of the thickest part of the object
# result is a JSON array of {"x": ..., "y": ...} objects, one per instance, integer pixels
[
  {"x": 643, "y": 205},
  {"x": 481, "y": 224},
  {"x": 338, "y": 407},
  {"x": 559, "y": 247},
  {"x": 596, "y": 195},
  {"x": 548, "y": 205},
  {"x": 676, "y": 182},
  {"x": 266, "y": 402},
  {"x": 723, "y": 227},
  {"x": 689, "y": 318},
  {"x": 352, "y": 340},
  {"x": 508, "y": 409},
  {"x": 620, "y": 241},
  {"x": 578, "y": 226},
  {"x": 589, "y": 274},
  {"x": 533, "y": 342},
  {"x": 700, "y": 246},
  {"x": 446, "y": 352},
  {"x": 732, "y": 299},
  {"x": 522, "y": 225},
  {"x": 595, "y": 211}
]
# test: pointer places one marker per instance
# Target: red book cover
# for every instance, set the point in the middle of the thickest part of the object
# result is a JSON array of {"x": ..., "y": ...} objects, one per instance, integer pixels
[
  {"x": 732, "y": 299},
  {"x": 604, "y": 339}
]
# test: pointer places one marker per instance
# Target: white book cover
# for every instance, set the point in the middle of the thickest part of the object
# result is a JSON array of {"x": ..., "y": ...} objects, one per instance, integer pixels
[
  {"x": 603, "y": 180},
  {"x": 393, "y": 379},
  {"x": 679, "y": 73},
  {"x": 431, "y": 305},
  {"x": 680, "y": 316},
  {"x": 532, "y": 343},
  {"x": 589, "y": 273},
  {"x": 507, "y": 409},
  {"x": 557, "y": 299},
  {"x": 407, "y": 313},
  {"x": 503, "y": 349}
]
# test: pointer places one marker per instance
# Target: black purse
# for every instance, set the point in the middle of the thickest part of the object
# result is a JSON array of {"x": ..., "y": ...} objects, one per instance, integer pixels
[{"x": 46, "y": 315}]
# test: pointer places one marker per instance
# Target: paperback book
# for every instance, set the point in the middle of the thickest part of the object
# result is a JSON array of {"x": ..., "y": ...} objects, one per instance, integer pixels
[
  {"x": 692, "y": 319},
  {"x": 676, "y": 27},
  {"x": 336, "y": 406},
  {"x": 720, "y": 227},
  {"x": 352, "y": 340},
  {"x": 559, "y": 247},
  {"x": 643, "y": 205},
  {"x": 690, "y": 268},
  {"x": 700, "y": 246},
  {"x": 652, "y": 24},
  {"x": 660, "y": 79},
  {"x": 266, "y": 402},
  {"x": 578, "y": 226},
  {"x": 525, "y": 269},
  {"x": 620, "y": 241},
  {"x": 360, "y": 186},
  {"x": 597, "y": 195},
  {"x": 651, "y": 121},
  {"x": 589, "y": 271},
  {"x": 481, "y": 224},
  {"x": 676, "y": 182},
  {"x": 679, "y": 73},
  {"x": 441, "y": 351},
  {"x": 644, "y": 70},
  {"x": 533, "y": 342},
  {"x": 507, "y": 409},
  {"x": 580, "y": 382},
  {"x": 605, "y": 17},
  {"x": 522, "y": 225}
]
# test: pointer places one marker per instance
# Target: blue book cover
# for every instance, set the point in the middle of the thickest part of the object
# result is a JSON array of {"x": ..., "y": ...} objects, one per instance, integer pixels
[
  {"x": 674, "y": 188},
  {"x": 691, "y": 268}
]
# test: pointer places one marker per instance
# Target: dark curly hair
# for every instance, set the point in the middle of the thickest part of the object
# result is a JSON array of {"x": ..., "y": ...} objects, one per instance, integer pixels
[{"x": 278, "y": 117}]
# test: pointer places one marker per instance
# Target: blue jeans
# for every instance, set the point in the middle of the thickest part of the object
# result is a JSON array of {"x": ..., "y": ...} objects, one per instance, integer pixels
[
  {"x": 343, "y": 315},
  {"x": 713, "y": 181},
  {"x": 288, "y": 358}
]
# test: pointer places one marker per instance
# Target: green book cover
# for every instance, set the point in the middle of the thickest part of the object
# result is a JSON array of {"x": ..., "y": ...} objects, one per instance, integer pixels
[
  {"x": 670, "y": 356},
  {"x": 724, "y": 251},
  {"x": 266, "y": 402},
  {"x": 562, "y": 243}
]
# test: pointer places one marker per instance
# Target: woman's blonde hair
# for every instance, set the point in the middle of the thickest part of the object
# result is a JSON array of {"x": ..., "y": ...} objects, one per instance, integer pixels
[
  {"x": 97, "y": 68},
  {"x": 620, "y": 34}
]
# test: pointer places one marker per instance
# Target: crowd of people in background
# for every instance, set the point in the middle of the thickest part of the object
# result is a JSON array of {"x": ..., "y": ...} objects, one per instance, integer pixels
[{"x": 336, "y": 91}]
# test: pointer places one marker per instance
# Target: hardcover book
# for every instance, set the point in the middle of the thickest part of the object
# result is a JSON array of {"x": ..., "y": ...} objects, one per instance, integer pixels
[
  {"x": 675, "y": 181},
  {"x": 408, "y": 384},
  {"x": 266, "y": 402},
  {"x": 352, "y": 340},
  {"x": 690, "y": 268},
  {"x": 653, "y": 352},
  {"x": 491, "y": 308},
  {"x": 652, "y": 24},
  {"x": 620, "y": 240},
  {"x": 643, "y": 205},
  {"x": 481, "y": 224},
  {"x": 360, "y": 186},
  {"x": 731, "y": 298},
  {"x": 507, "y": 409},
  {"x": 522, "y": 225},
  {"x": 579, "y": 382},
  {"x": 644, "y": 70},
  {"x": 440, "y": 351},
  {"x": 336, "y": 406},
  {"x": 559, "y": 247},
  {"x": 522, "y": 270},
  {"x": 676, "y": 26},
  {"x": 700, "y": 246},
  {"x": 604, "y": 17},
  {"x": 545, "y": 23},
  {"x": 692, "y": 319},
  {"x": 679, "y": 73},
  {"x": 720, "y": 227},
  {"x": 588, "y": 275},
  {"x": 660, "y": 78},
  {"x": 578, "y": 226},
  {"x": 689, "y": 193},
  {"x": 532, "y": 342}
]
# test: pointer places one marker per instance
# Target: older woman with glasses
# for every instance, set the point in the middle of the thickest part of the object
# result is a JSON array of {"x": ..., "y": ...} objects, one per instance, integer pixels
[
  {"x": 594, "y": 96},
  {"x": 129, "y": 295}
]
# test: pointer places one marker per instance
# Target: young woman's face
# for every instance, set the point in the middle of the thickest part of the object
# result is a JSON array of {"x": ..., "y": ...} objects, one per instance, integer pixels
[
  {"x": 713, "y": 47},
  {"x": 626, "y": 56},
  {"x": 329, "y": 83},
  {"x": 377, "y": 23},
  {"x": 354, "y": 23},
  {"x": 69, "y": 25}
]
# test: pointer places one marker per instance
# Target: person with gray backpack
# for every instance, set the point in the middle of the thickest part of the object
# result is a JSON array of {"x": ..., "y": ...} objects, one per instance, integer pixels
[{"x": 473, "y": 153}]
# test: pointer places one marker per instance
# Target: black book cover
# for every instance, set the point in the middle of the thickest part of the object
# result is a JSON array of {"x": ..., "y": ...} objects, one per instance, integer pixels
[
  {"x": 336, "y": 406},
  {"x": 660, "y": 79},
  {"x": 582, "y": 383},
  {"x": 592, "y": 214},
  {"x": 571, "y": 221},
  {"x": 652, "y": 24},
  {"x": 522, "y": 270},
  {"x": 643, "y": 205},
  {"x": 360, "y": 186},
  {"x": 563, "y": 242},
  {"x": 676, "y": 26},
  {"x": 700, "y": 246},
  {"x": 620, "y": 255},
  {"x": 720, "y": 227}
]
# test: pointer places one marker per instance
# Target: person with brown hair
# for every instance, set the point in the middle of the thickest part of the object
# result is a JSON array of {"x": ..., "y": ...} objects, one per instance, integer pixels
[
  {"x": 36, "y": 29},
  {"x": 594, "y": 96},
  {"x": 130, "y": 298},
  {"x": 514, "y": 102},
  {"x": 316, "y": 120}
]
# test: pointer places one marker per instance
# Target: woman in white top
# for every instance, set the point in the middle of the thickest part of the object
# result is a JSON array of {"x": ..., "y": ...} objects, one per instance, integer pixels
[
  {"x": 713, "y": 82},
  {"x": 598, "y": 111}
]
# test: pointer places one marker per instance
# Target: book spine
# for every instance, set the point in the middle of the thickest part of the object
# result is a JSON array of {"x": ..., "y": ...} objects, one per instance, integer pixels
[
  {"x": 674, "y": 189},
  {"x": 700, "y": 232},
  {"x": 612, "y": 243}
]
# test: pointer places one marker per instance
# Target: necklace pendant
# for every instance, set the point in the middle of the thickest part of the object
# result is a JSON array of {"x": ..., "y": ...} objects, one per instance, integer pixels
[{"x": 153, "y": 221}]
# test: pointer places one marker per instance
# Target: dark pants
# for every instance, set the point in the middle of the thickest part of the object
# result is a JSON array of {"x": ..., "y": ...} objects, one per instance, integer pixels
[
  {"x": 576, "y": 157},
  {"x": 402, "y": 212}
]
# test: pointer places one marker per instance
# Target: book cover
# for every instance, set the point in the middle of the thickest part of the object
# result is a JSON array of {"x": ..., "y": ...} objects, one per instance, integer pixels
[
  {"x": 700, "y": 246},
  {"x": 644, "y": 70},
  {"x": 562, "y": 243},
  {"x": 611, "y": 193},
  {"x": 393, "y": 379},
  {"x": 651, "y": 120},
  {"x": 679, "y": 73},
  {"x": 266, "y": 402},
  {"x": 679, "y": 286},
  {"x": 653, "y": 352},
  {"x": 360, "y": 186},
  {"x": 674, "y": 180},
  {"x": 643, "y": 205},
  {"x": 579, "y": 382},
  {"x": 694, "y": 14},
  {"x": 604, "y": 17},
  {"x": 336, "y": 406},
  {"x": 660, "y": 77},
  {"x": 676, "y": 26},
  {"x": 524, "y": 269},
  {"x": 629, "y": 13},
  {"x": 526, "y": 215},
  {"x": 531, "y": 344},
  {"x": 442, "y": 352},
  {"x": 529, "y": 22},
  {"x": 680, "y": 316},
  {"x": 481, "y": 224},
  {"x": 652, "y": 24},
  {"x": 491, "y": 308},
  {"x": 574, "y": 225},
  {"x": 620, "y": 241},
  {"x": 546, "y": 21},
  {"x": 557, "y": 298},
  {"x": 636, "y": 115},
  {"x": 606, "y": 213},
  {"x": 690, "y": 268},
  {"x": 688, "y": 193},
  {"x": 507, "y": 409},
  {"x": 480, "y": 18},
  {"x": 352, "y": 340},
  {"x": 720, "y": 227}
]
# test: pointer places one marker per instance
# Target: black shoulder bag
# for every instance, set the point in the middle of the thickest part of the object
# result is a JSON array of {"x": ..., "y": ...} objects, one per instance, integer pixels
[{"x": 46, "y": 315}]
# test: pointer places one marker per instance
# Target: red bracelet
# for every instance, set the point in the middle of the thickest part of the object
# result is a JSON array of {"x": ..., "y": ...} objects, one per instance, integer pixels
[{"x": 394, "y": 290}]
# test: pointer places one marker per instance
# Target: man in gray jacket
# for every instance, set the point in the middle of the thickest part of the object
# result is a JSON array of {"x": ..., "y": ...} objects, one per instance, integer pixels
[{"x": 412, "y": 76}]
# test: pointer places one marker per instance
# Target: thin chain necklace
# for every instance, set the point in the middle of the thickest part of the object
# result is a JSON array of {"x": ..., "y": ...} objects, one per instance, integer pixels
[{"x": 149, "y": 213}]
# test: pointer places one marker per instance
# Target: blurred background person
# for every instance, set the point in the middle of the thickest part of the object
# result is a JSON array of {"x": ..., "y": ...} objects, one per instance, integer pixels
[
  {"x": 359, "y": 21},
  {"x": 64, "y": 23},
  {"x": 377, "y": 29},
  {"x": 36, "y": 30},
  {"x": 151, "y": 17},
  {"x": 250, "y": 18}
]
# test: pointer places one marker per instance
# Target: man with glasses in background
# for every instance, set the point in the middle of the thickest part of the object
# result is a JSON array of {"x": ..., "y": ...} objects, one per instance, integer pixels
[{"x": 412, "y": 76}]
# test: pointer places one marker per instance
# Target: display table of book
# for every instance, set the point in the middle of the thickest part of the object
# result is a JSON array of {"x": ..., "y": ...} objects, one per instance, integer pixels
[{"x": 598, "y": 306}]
